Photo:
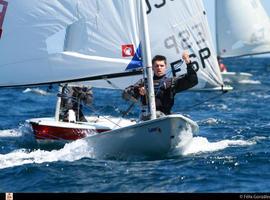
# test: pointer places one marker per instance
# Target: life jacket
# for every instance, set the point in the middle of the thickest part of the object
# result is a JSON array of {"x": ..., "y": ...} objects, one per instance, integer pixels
[
  {"x": 73, "y": 98},
  {"x": 164, "y": 95}
]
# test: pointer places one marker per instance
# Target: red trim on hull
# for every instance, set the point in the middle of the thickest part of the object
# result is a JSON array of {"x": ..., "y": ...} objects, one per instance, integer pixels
[{"x": 43, "y": 132}]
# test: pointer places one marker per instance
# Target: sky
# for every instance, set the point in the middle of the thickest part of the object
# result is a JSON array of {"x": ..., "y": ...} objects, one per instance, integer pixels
[{"x": 209, "y": 6}]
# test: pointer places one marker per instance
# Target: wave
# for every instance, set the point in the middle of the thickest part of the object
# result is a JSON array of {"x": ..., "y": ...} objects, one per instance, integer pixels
[
  {"x": 22, "y": 137},
  {"x": 255, "y": 82},
  {"x": 260, "y": 95},
  {"x": 70, "y": 152},
  {"x": 209, "y": 121},
  {"x": 194, "y": 145},
  {"x": 24, "y": 130},
  {"x": 221, "y": 107},
  {"x": 37, "y": 91},
  {"x": 10, "y": 133},
  {"x": 189, "y": 145}
]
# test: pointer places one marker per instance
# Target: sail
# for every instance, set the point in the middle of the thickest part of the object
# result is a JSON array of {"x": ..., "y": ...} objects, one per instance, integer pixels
[
  {"x": 242, "y": 28},
  {"x": 52, "y": 41},
  {"x": 176, "y": 26}
]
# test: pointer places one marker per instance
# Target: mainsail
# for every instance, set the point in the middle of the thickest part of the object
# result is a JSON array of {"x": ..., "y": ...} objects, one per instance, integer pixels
[
  {"x": 58, "y": 41},
  {"x": 52, "y": 41},
  {"x": 242, "y": 28},
  {"x": 182, "y": 25}
]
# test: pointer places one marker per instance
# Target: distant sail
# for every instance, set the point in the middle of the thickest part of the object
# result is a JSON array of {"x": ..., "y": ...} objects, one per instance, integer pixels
[
  {"x": 242, "y": 28},
  {"x": 49, "y": 41}
]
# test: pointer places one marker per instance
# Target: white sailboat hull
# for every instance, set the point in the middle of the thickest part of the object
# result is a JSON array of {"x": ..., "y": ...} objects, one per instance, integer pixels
[{"x": 147, "y": 138}]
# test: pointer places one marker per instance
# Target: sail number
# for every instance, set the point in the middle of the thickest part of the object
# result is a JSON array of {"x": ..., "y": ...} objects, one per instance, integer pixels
[
  {"x": 156, "y": 5},
  {"x": 3, "y": 8},
  {"x": 204, "y": 54},
  {"x": 185, "y": 38},
  {"x": 187, "y": 41}
]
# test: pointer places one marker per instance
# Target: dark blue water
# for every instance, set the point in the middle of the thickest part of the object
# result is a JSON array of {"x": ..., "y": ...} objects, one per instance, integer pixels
[{"x": 230, "y": 153}]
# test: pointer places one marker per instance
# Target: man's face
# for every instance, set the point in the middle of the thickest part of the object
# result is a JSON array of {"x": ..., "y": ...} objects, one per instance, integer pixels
[{"x": 159, "y": 68}]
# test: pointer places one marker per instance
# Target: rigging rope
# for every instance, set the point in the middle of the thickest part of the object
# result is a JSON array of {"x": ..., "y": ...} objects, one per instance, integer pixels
[
  {"x": 207, "y": 100},
  {"x": 91, "y": 108},
  {"x": 134, "y": 100}
]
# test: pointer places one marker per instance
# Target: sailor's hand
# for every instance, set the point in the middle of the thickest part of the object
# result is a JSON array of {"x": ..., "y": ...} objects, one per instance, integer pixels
[
  {"x": 128, "y": 97},
  {"x": 125, "y": 95},
  {"x": 185, "y": 57},
  {"x": 142, "y": 91}
]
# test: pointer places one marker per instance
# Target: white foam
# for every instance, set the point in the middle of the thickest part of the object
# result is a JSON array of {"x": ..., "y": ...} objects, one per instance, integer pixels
[
  {"x": 201, "y": 145},
  {"x": 36, "y": 91},
  {"x": 262, "y": 96},
  {"x": 23, "y": 132},
  {"x": 70, "y": 152},
  {"x": 259, "y": 138},
  {"x": 209, "y": 121},
  {"x": 218, "y": 106},
  {"x": 10, "y": 133},
  {"x": 249, "y": 82},
  {"x": 194, "y": 145}
]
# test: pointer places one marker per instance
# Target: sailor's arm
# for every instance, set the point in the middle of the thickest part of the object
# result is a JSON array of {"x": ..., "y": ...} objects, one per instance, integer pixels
[
  {"x": 187, "y": 80},
  {"x": 133, "y": 92}
]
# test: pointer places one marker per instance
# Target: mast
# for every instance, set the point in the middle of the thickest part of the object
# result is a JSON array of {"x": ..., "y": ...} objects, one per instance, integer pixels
[
  {"x": 58, "y": 104},
  {"x": 146, "y": 54},
  {"x": 216, "y": 29}
]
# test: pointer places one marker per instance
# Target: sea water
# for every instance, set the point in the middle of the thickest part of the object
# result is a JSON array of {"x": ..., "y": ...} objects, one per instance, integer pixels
[{"x": 230, "y": 153}]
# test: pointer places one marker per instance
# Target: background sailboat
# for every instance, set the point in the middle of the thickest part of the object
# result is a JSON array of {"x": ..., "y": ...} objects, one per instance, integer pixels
[
  {"x": 67, "y": 41},
  {"x": 242, "y": 29}
]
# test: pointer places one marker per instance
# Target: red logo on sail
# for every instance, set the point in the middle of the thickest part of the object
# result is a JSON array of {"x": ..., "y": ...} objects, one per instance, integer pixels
[
  {"x": 128, "y": 50},
  {"x": 3, "y": 9}
]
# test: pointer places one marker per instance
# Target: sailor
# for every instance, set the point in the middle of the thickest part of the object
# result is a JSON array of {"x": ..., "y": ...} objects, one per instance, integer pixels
[
  {"x": 165, "y": 88},
  {"x": 73, "y": 98},
  {"x": 222, "y": 66}
]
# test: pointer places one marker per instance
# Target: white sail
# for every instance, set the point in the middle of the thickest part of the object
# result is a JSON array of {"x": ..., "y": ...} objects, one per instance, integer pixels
[
  {"x": 182, "y": 25},
  {"x": 51, "y": 41},
  {"x": 175, "y": 26},
  {"x": 242, "y": 28}
]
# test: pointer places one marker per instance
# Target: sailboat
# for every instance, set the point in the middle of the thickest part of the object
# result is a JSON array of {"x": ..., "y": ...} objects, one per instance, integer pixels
[
  {"x": 242, "y": 29},
  {"x": 48, "y": 42}
]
